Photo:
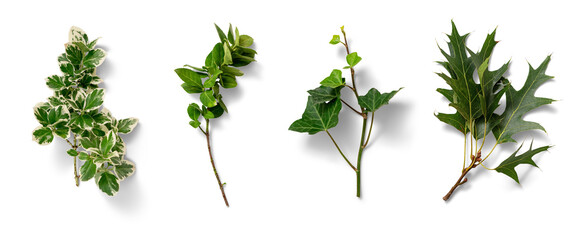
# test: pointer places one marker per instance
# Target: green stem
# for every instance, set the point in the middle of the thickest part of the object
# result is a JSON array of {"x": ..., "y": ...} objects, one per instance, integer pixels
[
  {"x": 359, "y": 157},
  {"x": 370, "y": 128},
  {"x": 341, "y": 152},
  {"x": 75, "y": 161},
  {"x": 207, "y": 135}
]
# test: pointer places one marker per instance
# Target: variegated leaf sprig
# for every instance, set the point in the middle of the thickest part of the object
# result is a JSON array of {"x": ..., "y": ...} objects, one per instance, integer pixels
[
  {"x": 75, "y": 114},
  {"x": 475, "y": 104},
  {"x": 219, "y": 71}
]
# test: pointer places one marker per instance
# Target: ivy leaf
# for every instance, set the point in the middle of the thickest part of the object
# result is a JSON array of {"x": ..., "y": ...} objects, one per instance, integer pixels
[
  {"x": 42, "y": 135},
  {"x": 88, "y": 170},
  {"x": 334, "y": 80},
  {"x": 126, "y": 126},
  {"x": 353, "y": 59},
  {"x": 520, "y": 102},
  {"x": 324, "y": 94},
  {"x": 108, "y": 183},
  {"x": 94, "y": 58},
  {"x": 94, "y": 99},
  {"x": 192, "y": 80},
  {"x": 336, "y": 39},
  {"x": 507, "y": 167},
  {"x": 373, "y": 100},
  {"x": 318, "y": 117}
]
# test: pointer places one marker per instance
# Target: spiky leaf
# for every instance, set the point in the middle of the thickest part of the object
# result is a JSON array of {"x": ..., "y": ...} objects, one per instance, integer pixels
[{"x": 507, "y": 167}]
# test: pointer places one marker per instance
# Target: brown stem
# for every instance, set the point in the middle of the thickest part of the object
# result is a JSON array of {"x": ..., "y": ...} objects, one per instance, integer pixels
[
  {"x": 354, "y": 110},
  {"x": 213, "y": 164},
  {"x": 475, "y": 162}
]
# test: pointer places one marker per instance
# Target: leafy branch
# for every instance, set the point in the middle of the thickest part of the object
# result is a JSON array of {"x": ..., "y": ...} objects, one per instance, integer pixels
[
  {"x": 75, "y": 114},
  {"x": 475, "y": 104},
  {"x": 219, "y": 71},
  {"x": 325, "y": 102}
]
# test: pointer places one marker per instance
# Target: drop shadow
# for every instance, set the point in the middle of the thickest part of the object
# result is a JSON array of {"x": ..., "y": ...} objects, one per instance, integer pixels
[
  {"x": 63, "y": 161},
  {"x": 389, "y": 122},
  {"x": 105, "y": 69},
  {"x": 129, "y": 197}
]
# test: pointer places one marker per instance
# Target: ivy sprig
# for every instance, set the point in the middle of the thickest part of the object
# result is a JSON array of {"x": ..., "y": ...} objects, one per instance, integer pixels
[
  {"x": 75, "y": 114},
  {"x": 475, "y": 104},
  {"x": 220, "y": 71},
  {"x": 325, "y": 102}
]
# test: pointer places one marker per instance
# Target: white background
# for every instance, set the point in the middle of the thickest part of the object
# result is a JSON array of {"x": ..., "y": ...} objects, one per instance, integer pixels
[{"x": 283, "y": 184}]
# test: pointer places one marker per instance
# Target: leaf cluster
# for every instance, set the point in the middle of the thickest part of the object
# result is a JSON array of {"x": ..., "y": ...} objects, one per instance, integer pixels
[
  {"x": 476, "y": 100},
  {"x": 220, "y": 70},
  {"x": 75, "y": 112}
]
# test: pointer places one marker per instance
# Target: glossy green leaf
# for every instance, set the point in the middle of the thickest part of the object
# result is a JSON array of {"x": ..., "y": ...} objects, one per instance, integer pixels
[
  {"x": 228, "y": 81},
  {"x": 353, "y": 59},
  {"x": 213, "y": 112},
  {"x": 318, "y": 117},
  {"x": 56, "y": 82},
  {"x": 334, "y": 80},
  {"x": 336, "y": 39},
  {"x": 227, "y": 54},
  {"x": 192, "y": 80},
  {"x": 107, "y": 143},
  {"x": 221, "y": 34},
  {"x": 208, "y": 99},
  {"x": 507, "y": 167},
  {"x": 245, "y": 41},
  {"x": 324, "y": 94},
  {"x": 373, "y": 100}
]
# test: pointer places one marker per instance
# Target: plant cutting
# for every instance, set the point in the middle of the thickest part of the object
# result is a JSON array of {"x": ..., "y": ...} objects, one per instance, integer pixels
[
  {"x": 325, "y": 102},
  {"x": 218, "y": 72},
  {"x": 75, "y": 114},
  {"x": 476, "y": 100}
]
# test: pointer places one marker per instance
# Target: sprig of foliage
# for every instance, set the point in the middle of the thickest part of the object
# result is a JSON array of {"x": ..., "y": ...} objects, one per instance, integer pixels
[
  {"x": 219, "y": 71},
  {"x": 75, "y": 113},
  {"x": 475, "y": 103},
  {"x": 325, "y": 102}
]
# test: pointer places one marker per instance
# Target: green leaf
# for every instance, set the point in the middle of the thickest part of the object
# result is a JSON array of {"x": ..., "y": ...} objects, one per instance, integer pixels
[
  {"x": 56, "y": 82},
  {"x": 67, "y": 68},
  {"x": 194, "y": 111},
  {"x": 192, "y": 80},
  {"x": 245, "y": 41},
  {"x": 215, "y": 58},
  {"x": 73, "y": 54},
  {"x": 94, "y": 58},
  {"x": 456, "y": 120},
  {"x": 195, "y": 123},
  {"x": 208, "y": 99},
  {"x": 209, "y": 83},
  {"x": 227, "y": 54},
  {"x": 228, "y": 81},
  {"x": 213, "y": 112},
  {"x": 336, "y": 39},
  {"x": 324, "y": 94},
  {"x": 126, "y": 126},
  {"x": 230, "y": 35},
  {"x": 108, "y": 183},
  {"x": 518, "y": 103},
  {"x": 94, "y": 99},
  {"x": 334, "y": 80},
  {"x": 231, "y": 71},
  {"x": 42, "y": 135},
  {"x": 72, "y": 152},
  {"x": 83, "y": 156},
  {"x": 88, "y": 170},
  {"x": 373, "y": 100},
  {"x": 318, "y": 117},
  {"x": 125, "y": 169},
  {"x": 353, "y": 59},
  {"x": 221, "y": 34},
  {"x": 107, "y": 143},
  {"x": 507, "y": 167}
]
